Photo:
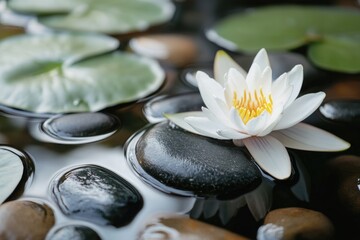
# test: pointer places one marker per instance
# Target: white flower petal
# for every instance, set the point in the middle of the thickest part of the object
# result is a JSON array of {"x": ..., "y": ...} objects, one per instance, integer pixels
[
  {"x": 236, "y": 81},
  {"x": 229, "y": 208},
  {"x": 198, "y": 208},
  {"x": 259, "y": 200},
  {"x": 266, "y": 81},
  {"x": 279, "y": 86},
  {"x": 300, "y": 109},
  {"x": 272, "y": 120},
  {"x": 179, "y": 119},
  {"x": 295, "y": 79},
  {"x": 257, "y": 125},
  {"x": 252, "y": 79},
  {"x": 306, "y": 137},
  {"x": 231, "y": 134},
  {"x": 204, "y": 126},
  {"x": 222, "y": 63},
  {"x": 262, "y": 59},
  {"x": 209, "y": 89},
  {"x": 237, "y": 121},
  {"x": 270, "y": 232},
  {"x": 221, "y": 120},
  {"x": 270, "y": 154}
]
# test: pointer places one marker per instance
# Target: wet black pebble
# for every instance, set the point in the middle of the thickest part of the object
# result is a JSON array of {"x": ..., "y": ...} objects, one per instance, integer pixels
[
  {"x": 191, "y": 164},
  {"x": 81, "y": 125},
  {"x": 97, "y": 195},
  {"x": 347, "y": 111}
]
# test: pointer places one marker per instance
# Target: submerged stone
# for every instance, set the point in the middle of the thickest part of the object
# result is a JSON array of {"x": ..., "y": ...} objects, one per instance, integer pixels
[
  {"x": 81, "y": 125},
  {"x": 97, "y": 195},
  {"x": 301, "y": 223},
  {"x": 177, "y": 161},
  {"x": 25, "y": 220},
  {"x": 155, "y": 109},
  {"x": 180, "y": 227},
  {"x": 74, "y": 232},
  {"x": 342, "y": 110}
]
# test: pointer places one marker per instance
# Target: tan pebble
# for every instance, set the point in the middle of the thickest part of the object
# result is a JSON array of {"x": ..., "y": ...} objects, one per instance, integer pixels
[
  {"x": 301, "y": 223},
  {"x": 25, "y": 220}
]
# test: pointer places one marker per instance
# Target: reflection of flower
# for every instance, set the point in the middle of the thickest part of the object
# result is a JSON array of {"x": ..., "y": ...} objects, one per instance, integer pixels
[{"x": 254, "y": 111}]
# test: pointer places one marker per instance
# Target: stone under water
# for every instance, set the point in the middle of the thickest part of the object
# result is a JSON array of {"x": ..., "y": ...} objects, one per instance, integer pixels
[
  {"x": 97, "y": 195},
  {"x": 187, "y": 164}
]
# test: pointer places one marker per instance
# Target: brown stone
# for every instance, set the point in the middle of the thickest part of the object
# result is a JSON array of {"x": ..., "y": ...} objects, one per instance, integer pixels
[
  {"x": 25, "y": 220},
  {"x": 183, "y": 228},
  {"x": 176, "y": 49},
  {"x": 301, "y": 223},
  {"x": 349, "y": 89}
]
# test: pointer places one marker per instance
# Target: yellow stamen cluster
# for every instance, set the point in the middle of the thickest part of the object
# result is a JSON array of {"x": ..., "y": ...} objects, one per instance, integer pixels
[{"x": 250, "y": 105}]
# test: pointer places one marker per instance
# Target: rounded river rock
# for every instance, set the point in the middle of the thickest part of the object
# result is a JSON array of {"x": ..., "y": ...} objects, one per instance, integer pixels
[
  {"x": 192, "y": 164},
  {"x": 97, "y": 195},
  {"x": 25, "y": 220}
]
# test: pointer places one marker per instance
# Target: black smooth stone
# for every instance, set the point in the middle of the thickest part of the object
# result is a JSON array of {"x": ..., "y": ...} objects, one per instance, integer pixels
[
  {"x": 342, "y": 110},
  {"x": 81, "y": 125},
  {"x": 194, "y": 165},
  {"x": 74, "y": 232},
  {"x": 155, "y": 109},
  {"x": 97, "y": 195}
]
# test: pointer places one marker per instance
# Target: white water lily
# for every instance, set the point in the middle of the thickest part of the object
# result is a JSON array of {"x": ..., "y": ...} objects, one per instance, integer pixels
[{"x": 256, "y": 112}]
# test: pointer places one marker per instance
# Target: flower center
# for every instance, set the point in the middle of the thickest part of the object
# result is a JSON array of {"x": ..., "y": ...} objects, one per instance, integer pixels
[{"x": 250, "y": 106}]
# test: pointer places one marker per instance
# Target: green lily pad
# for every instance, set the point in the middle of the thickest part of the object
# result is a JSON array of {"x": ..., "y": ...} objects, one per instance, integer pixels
[
  {"x": 60, "y": 73},
  {"x": 11, "y": 170},
  {"x": 339, "y": 53},
  {"x": 284, "y": 27},
  {"x": 289, "y": 27},
  {"x": 105, "y": 16}
]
